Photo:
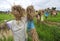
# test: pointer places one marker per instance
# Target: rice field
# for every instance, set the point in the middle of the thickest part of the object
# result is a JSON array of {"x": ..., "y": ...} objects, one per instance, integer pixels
[
  {"x": 55, "y": 18},
  {"x": 45, "y": 31}
]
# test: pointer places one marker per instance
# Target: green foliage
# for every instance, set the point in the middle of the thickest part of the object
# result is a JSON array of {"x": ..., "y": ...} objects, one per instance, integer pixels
[
  {"x": 48, "y": 33},
  {"x": 45, "y": 32},
  {"x": 54, "y": 18},
  {"x": 5, "y": 17}
]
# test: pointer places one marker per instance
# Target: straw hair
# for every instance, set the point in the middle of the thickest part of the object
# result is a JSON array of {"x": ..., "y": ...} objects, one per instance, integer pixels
[
  {"x": 30, "y": 11},
  {"x": 19, "y": 10}
]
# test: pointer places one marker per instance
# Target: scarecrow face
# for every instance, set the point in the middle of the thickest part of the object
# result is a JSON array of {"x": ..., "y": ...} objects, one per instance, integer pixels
[
  {"x": 30, "y": 11},
  {"x": 16, "y": 13}
]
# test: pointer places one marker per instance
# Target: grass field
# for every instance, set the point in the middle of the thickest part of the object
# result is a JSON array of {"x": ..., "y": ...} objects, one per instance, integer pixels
[
  {"x": 5, "y": 17},
  {"x": 45, "y": 32},
  {"x": 54, "y": 19}
]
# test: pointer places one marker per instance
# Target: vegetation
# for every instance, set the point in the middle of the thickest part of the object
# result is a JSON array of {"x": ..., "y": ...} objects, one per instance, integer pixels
[
  {"x": 45, "y": 32},
  {"x": 54, "y": 18}
]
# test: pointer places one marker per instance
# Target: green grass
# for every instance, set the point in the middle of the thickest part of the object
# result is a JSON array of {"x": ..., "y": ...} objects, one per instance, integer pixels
[
  {"x": 48, "y": 33},
  {"x": 10, "y": 38},
  {"x": 45, "y": 32},
  {"x": 5, "y": 17},
  {"x": 54, "y": 18}
]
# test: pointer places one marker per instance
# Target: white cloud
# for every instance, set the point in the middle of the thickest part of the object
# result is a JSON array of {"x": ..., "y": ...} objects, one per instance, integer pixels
[
  {"x": 38, "y": 4},
  {"x": 48, "y": 3},
  {"x": 55, "y": 3}
]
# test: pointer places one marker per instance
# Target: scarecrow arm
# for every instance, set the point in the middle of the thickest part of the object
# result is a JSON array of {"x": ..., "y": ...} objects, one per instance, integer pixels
[{"x": 34, "y": 35}]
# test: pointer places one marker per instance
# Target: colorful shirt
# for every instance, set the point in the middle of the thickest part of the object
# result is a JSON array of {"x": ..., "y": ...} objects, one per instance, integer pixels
[
  {"x": 18, "y": 30},
  {"x": 30, "y": 25},
  {"x": 46, "y": 13}
]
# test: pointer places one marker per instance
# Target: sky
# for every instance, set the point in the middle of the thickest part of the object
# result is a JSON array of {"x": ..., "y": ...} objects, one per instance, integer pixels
[{"x": 6, "y": 5}]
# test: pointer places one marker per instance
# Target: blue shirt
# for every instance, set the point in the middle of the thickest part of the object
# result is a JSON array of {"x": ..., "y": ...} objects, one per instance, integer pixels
[
  {"x": 30, "y": 25},
  {"x": 46, "y": 13}
]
